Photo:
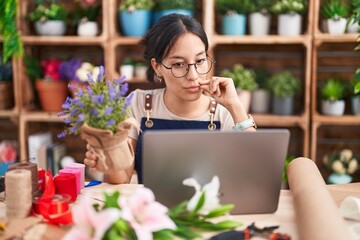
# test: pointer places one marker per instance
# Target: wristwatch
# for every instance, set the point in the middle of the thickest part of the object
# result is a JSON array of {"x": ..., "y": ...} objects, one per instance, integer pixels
[{"x": 241, "y": 126}]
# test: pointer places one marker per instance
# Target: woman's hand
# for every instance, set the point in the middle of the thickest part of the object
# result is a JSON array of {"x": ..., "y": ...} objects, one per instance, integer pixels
[
  {"x": 91, "y": 157},
  {"x": 222, "y": 89}
]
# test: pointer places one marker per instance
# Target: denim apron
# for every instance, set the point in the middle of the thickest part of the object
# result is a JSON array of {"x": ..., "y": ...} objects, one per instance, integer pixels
[{"x": 165, "y": 124}]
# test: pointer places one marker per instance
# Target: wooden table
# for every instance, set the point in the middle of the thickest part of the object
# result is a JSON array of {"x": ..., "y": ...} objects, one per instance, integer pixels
[{"x": 285, "y": 216}]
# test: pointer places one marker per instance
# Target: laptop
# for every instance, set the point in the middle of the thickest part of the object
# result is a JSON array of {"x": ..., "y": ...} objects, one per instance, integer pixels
[{"x": 248, "y": 164}]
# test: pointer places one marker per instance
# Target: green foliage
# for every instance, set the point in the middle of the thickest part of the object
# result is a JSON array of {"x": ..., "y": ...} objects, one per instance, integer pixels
[
  {"x": 50, "y": 11},
  {"x": 5, "y": 71},
  {"x": 334, "y": 9},
  {"x": 284, "y": 84},
  {"x": 88, "y": 14},
  {"x": 12, "y": 44},
  {"x": 355, "y": 11},
  {"x": 333, "y": 89},
  {"x": 261, "y": 77},
  {"x": 356, "y": 83},
  {"x": 243, "y": 78},
  {"x": 32, "y": 68},
  {"x": 132, "y": 5},
  {"x": 226, "y": 6},
  {"x": 260, "y": 5},
  {"x": 288, "y": 159},
  {"x": 288, "y": 6},
  {"x": 179, "y": 4}
]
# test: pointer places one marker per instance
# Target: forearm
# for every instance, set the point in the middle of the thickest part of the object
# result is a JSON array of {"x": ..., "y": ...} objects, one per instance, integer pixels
[
  {"x": 122, "y": 176},
  {"x": 239, "y": 114}
]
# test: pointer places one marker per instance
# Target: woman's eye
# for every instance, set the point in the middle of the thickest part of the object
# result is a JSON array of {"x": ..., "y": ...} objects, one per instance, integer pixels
[
  {"x": 178, "y": 65},
  {"x": 200, "y": 61}
]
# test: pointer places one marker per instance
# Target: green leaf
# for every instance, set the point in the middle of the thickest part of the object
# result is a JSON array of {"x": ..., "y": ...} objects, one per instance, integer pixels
[
  {"x": 178, "y": 209},
  {"x": 198, "y": 206},
  {"x": 229, "y": 224},
  {"x": 165, "y": 234},
  {"x": 111, "y": 200},
  {"x": 185, "y": 233},
  {"x": 220, "y": 211}
]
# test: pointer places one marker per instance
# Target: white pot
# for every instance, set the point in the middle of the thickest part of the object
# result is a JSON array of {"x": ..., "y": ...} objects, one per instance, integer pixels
[
  {"x": 259, "y": 24},
  {"x": 88, "y": 29},
  {"x": 140, "y": 71},
  {"x": 355, "y": 105},
  {"x": 289, "y": 24},
  {"x": 333, "y": 108},
  {"x": 245, "y": 98},
  {"x": 336, "y": 27},
  {"x": 128, "y": 71},
  {"x": 353, "y": 27},
  {"x": 260, "y": 101},
  {"x": 50, "y": 27}
]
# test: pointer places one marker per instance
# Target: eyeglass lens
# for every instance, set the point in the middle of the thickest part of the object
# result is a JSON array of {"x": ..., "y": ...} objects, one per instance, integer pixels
[{"x": 202, "y": 66}]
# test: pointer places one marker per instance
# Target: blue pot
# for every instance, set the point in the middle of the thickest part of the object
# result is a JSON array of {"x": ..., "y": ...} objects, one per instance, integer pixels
[
  {"x": 336, "y": 178},
  {"x": 136, "y": 23},
  {"x": 4, "y": 167},
  {"x": 234, "y": 24}
]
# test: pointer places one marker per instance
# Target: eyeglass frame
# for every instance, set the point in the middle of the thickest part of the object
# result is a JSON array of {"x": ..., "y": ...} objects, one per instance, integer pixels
[{"x": 188, "y": 67}]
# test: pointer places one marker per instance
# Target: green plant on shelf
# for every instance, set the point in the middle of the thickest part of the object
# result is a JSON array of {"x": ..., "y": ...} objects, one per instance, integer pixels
[
  {"x": 85, "y": 14},
  {"x": 232, "y": 6},
  {"x": 243, "y": 78},
  {"x": 334, "y": 9},
  {"x": 354, "y": 11},
  {"x": 179, "y": 4},
  {"x": 48, "y": 10},
  {"x": 333, "y": 89},
  {"x": 289, "y": 6},
  {"x": 356, "y": 83},
  {"x": 262, "y": 6},
  {"x": 12, "y": 44},
  {"x": 283, "y": 84},
  {"x": 132, "y": 5}
]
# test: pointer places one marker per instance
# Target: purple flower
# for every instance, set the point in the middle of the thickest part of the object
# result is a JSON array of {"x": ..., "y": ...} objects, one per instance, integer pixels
[
  {"x": 62, "y": 134},
  {"x": 67, "y": 120},
  {"x": 68, "y": 69},
  {"x": 90, "y": 78},
  {"x": 73, "y": 129},
  {"x": 109, "y": 110},
  {"x": 110, "y": 123},
  {"x": 101, "y": 73},
  {"x": 124, "y": 89},
  {"x": 79, "y": 92},
  {"x": 120, "y": 80},
  {"x": 82, "y": 117},
  {"x": 93, "y": 112},
  {"x": 97, "y": 99},
  {"x": 67, "y": 103},
  {"x": 128, "y": 100}
]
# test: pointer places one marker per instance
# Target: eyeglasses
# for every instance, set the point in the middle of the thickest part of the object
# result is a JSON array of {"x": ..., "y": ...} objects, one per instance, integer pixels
[{"x": 202, "y": 66}]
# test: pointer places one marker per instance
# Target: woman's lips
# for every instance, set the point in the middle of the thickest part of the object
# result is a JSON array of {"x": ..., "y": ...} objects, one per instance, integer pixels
[{"x": 194, "y": 89}]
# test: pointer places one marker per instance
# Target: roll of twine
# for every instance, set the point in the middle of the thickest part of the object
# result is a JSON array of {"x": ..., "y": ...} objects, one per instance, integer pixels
[
  {"x": 32, "y": 167},
  {"x": 18, "y": 194}
]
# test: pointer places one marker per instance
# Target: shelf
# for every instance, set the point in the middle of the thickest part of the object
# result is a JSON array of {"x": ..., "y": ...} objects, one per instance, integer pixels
[
  {"x": 271, "y": 39},
  {"x": 336, "y": 120},
  {"x": 126, "y": 40},
  {"x": 325, "y": 37},
  {"x": 280, "y": 120},
  {"x": 41, "y": 116},
  {"x": 62, "y": 40},
  {"x": 8, "y": 113}
]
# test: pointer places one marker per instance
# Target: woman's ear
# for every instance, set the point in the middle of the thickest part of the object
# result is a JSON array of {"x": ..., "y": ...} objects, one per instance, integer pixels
[{"x": 155, "y": 65}]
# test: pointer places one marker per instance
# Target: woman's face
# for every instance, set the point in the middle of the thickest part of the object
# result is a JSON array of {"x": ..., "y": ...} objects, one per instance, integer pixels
[{"x": 187, "y": 49}]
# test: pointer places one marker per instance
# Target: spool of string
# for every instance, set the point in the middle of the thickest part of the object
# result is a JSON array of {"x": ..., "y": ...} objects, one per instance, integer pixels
[
  {"x": 18, "y": 194},
  {"x": 32, "y": 167}
]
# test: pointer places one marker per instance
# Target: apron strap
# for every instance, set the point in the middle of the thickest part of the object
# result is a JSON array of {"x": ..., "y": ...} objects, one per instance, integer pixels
[{"x": 148, "y": 108}]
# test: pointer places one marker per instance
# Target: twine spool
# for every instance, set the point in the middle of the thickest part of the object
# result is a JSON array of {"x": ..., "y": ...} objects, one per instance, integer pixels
[
  {"x": 18, "y": 195},
  {"x": 32, "y": 167}
]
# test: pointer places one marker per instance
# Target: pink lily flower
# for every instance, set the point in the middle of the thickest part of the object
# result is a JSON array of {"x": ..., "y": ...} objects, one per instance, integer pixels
[
  {"x": 89, "y": 224},
  {"x": 144, "y": 214}
]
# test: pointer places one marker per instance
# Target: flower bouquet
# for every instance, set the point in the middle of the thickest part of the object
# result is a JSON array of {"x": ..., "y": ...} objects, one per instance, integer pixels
[
  {"x": 343, "y": 164},
  {"x": 100, "y": 115},
  {"x": 141, "y": 217}
]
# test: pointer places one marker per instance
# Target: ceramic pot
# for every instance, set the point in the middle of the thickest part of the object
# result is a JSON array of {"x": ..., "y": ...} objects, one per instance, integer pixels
[
  {"x": 50, "y": 27},
  {"x": 259, "y": 24},
  {"x": 336, "y": 27},
  {"x": 260, "y": 101},
  {"x": 283, "y": 105},
  {"x": 245, "y": 98},
  {"x": 88, "y": 29},
  {"x": 52, "y": 94},
  {"x": 289, "y": 24},
  {"x": 333, "y": 108},
  {"x": 336, "y": 178},
  {"x": 234, "y": 24}
]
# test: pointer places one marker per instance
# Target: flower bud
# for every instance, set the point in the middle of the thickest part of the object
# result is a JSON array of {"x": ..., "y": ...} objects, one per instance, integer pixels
[
  {"x": 338, "y": 167},
  {"x": 346, "y": 154},
  {"x": 353, "y": 166}
]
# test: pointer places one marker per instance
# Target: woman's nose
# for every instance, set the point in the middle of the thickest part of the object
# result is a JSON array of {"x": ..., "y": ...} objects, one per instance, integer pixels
[{"x": 192, "y": 73}]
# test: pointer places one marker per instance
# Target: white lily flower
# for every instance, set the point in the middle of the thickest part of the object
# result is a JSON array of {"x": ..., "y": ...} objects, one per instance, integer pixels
[{"x": 211, "y": 191}]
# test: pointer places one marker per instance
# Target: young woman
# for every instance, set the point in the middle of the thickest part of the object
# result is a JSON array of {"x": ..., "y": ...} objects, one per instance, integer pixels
[{"x": 176, "y": 48}]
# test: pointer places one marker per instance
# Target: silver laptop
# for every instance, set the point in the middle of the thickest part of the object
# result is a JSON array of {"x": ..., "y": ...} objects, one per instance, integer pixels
[{"x": 249, "y": 166}]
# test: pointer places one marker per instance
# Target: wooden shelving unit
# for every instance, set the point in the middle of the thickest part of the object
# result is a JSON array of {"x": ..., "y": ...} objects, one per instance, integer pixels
[
  {"x": 329, "y": 133},
  {"x": 113, "y": 47}
]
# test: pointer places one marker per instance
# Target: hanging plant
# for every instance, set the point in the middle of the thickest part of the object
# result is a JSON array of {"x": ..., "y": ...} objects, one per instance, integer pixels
[{"x": 12, "y": 44}]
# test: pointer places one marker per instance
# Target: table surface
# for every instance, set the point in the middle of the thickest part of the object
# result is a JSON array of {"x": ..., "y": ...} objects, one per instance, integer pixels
[{"x": 285, "y": 216}]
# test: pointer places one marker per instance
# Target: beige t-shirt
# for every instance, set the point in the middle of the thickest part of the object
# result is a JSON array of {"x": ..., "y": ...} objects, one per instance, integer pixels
[{"x": 160, "y": 111}]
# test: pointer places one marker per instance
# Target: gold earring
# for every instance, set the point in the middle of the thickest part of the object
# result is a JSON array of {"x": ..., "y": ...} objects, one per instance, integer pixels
[{"x": 158, "y": 78}]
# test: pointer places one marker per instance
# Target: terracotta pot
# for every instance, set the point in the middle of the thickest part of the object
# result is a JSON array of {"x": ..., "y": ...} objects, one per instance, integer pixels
[{"x": 52, "y": 94}]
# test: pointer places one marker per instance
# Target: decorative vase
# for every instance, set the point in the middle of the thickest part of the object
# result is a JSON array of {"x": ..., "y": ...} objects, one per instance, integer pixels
[
  {"x": 50, "y": 27},
  {"x": 259, "y": 24},
  {"x": 52, "y": 94},
  {"x": 336, "y": 178},
  {"x": 136, "y": 23},
  {"x": 88, "y": 29},
  {"x": 289, "y": 24},
  {"x": 234, "y": 24},
  {"x": 336, "y": 26},
  {"x": 333, "y": 108}
]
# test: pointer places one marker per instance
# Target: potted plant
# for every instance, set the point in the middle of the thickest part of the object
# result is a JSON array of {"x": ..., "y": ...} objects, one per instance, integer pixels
[
  {"x": 51, "y": 89},
  {"x": 335, "y": 13},
  {"x": 289, "y": 16},
  {"x": 355, "y": 99},
  {"x": 165, "y": 7},
  {"x": 333, "y": 93},
  {"x": 140, "y": 70},
  {"x": 6, "y": 86},
  {"x": 49, "y": 18},
  {"x": 342, "y": 164},
  {"x": 260, "y": 98},
  {"x": 84, "y": 17},
  {"x": 244, "y": 81},
  {"x": 353, "y": 22},
  {"x": 283, "y": 85},
  {"x": 260, "y": 17},
  {"x": 127, "y": 68},
  {"x": 233, "y": 16},
  {"x": 135, "y": 17}
]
